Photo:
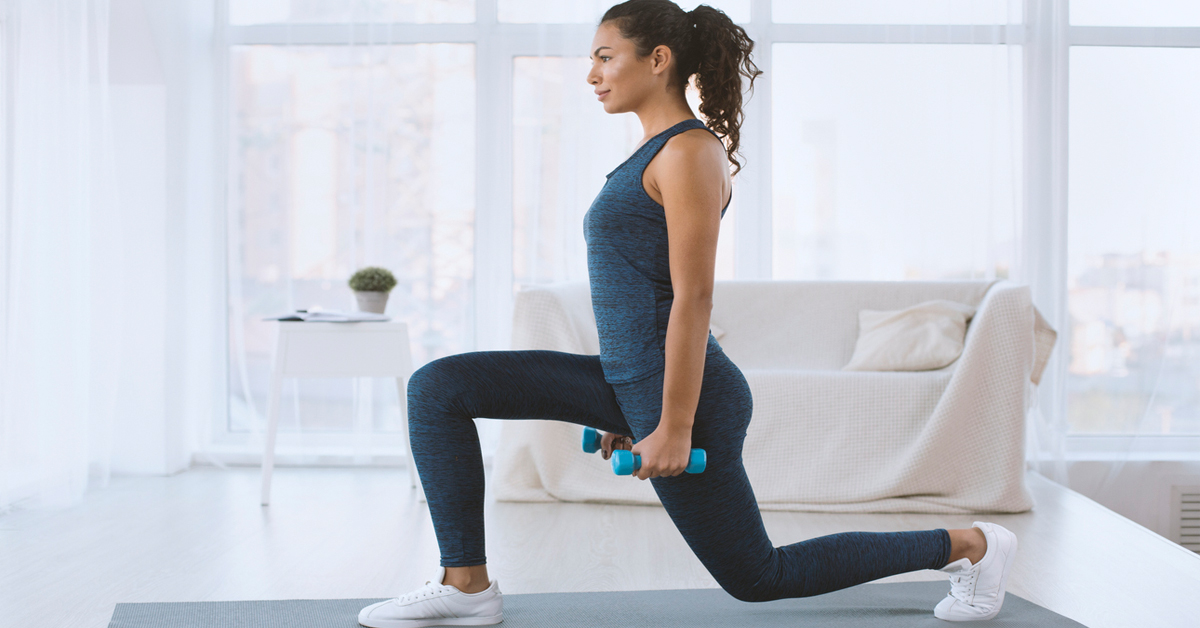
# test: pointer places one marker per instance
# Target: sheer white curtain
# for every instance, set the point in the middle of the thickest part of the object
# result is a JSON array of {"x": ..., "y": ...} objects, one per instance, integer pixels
[{"x": 63, "y": 271}]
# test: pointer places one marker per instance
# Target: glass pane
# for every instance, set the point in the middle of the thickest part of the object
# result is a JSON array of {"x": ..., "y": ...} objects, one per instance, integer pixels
[
  {"x": 343, "y": 157},
  {"x": 335, "y": 11},
  {"x": 896, "y": 11},
  {"x": 1140, "y": 13},
  {"x": 590, "y": 11},
  {"x": 1134, "y": 240},
  {"x": 894, "y": 162},
  {"x": 563, "y": 146}
]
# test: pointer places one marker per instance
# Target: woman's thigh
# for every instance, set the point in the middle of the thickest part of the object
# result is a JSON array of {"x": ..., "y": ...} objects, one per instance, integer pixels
[
  {"x": 531, "y": 384},
  {"x": 446, "y": 394},
  {"x": 715, "y": 511}
]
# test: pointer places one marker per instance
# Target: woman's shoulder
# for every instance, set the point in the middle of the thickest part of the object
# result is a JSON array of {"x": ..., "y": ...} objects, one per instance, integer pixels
[
  {"x": 693, "y": 151},
  {"x": 694, "y": 139}
]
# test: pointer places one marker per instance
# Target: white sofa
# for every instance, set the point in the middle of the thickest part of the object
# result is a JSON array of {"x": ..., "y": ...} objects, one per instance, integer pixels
[{"x": 950, "y": 440}]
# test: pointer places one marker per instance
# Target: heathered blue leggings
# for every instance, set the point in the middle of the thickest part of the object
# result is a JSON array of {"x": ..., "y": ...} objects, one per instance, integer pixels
[{"x": 715, "y": 511}]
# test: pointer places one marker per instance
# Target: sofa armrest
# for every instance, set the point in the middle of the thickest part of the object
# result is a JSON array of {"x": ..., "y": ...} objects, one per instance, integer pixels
[{"x": 1000, "y": 294}]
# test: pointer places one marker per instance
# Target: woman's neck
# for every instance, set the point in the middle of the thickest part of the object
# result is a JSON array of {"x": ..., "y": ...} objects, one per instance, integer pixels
[{"x": 661, "y": 115}]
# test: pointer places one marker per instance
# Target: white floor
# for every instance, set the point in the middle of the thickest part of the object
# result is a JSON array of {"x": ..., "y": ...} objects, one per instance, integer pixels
[{"x": 361, "y": 533}]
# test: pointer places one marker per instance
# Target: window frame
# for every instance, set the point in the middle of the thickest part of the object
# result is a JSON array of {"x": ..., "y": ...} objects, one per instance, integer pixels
[
  {"x": 1113, "y": 445},
  {"x": 1046, "y": 37},
  {"x": 7, "y": 53}
]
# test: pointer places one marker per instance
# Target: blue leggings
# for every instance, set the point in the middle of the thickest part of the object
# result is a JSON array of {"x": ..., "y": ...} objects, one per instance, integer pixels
[{"x": 715, "y": 511}]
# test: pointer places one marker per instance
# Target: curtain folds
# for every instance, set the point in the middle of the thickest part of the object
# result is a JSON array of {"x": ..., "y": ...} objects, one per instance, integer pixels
[{"x": 62, "y": 295}]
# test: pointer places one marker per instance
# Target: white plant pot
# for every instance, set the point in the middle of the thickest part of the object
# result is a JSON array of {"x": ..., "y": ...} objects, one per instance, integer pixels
[{"x": 371, "y": 301}]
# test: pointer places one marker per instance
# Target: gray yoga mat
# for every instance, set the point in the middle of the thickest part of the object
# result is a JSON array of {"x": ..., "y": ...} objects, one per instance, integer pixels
[{"x": 891, "y": 605}]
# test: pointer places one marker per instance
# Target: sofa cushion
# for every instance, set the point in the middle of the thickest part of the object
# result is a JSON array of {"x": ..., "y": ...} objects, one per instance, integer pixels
[{"x": 925, "y": 336}]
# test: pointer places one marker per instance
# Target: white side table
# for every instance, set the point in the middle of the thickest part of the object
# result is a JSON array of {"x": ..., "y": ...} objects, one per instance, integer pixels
[{"x": 307, "y": 349}]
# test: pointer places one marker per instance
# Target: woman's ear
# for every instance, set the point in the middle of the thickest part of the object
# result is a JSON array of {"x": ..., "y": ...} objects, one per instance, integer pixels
[{"x": 660, "y": 58}]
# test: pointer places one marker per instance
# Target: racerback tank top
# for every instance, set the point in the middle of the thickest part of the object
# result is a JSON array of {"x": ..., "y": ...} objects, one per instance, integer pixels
[{"x": 629, "y": 268}]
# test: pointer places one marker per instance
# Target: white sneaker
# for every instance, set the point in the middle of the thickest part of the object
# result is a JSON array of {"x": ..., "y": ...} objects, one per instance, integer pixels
[
  {"x": 437, "y": 604},
  {"x": 977, "y": 591}
]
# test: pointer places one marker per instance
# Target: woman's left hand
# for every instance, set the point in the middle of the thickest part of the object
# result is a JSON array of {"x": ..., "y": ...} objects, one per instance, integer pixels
[{"x": 664, "y": 453}]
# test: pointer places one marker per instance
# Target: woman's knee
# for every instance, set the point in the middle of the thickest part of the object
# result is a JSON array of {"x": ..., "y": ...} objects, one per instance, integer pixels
[
  {"x": 436, "y": 380},
  {"x": 423, "y": 378},
  {"x": 746, "y": 593},
  {"x": 744, "y": 586}
]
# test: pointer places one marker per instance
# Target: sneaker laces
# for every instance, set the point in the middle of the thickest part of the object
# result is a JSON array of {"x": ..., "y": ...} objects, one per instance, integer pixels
[
  {"x": 429, "y": 590},
  {"x": 962, "y": 583}
]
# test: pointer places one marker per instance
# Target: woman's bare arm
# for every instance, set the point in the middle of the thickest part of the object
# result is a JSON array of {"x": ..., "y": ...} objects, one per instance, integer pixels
[{"x": 691, "y": 178}]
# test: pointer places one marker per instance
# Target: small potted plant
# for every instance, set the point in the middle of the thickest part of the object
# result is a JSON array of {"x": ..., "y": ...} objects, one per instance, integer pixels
[{"x": 371, "y": 286}]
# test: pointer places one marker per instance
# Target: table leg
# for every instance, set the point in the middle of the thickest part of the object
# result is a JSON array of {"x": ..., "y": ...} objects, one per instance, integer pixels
[
  {"x": 413, "y": 479},
  {"x": 268, "y": 461}
]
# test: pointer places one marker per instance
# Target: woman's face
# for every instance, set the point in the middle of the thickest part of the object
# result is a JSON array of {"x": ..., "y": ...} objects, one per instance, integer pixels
[{"x": 620, "y": 80}]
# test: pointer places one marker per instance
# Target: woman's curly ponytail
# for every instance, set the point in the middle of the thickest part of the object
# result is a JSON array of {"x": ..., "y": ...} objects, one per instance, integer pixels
[
  {"x": 705, "y": 42},
  {"x": 722, "y": 50}
]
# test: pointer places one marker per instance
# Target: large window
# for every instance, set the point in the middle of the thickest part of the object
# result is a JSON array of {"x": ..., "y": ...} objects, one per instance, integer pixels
[
  {"x": 343, "y": 157},
  {"x": 457, "y": 143},
  {"x": 1134, "y": 240},
  {"x": 893, "y": 161}
]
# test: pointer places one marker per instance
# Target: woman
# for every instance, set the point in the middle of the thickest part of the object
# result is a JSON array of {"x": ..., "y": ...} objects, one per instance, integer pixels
[{"x": 661, "y": 384}]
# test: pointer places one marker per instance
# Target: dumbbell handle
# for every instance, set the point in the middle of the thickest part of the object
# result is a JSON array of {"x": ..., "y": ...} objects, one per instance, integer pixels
[{"x": 625, "y": 463}]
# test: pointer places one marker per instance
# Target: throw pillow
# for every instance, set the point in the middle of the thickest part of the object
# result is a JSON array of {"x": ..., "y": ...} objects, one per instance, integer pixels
[{"x": 925, "y": 336}]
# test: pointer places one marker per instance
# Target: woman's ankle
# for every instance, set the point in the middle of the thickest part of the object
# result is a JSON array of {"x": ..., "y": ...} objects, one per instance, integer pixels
[
  {"x": 471, "y": 579},
  {"x": 968, "y": 543}
]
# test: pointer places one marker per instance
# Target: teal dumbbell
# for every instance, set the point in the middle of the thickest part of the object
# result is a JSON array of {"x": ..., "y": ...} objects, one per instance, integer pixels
[
  {"x": 625, "y": 463},
  {"x": 591, "y": 440}
]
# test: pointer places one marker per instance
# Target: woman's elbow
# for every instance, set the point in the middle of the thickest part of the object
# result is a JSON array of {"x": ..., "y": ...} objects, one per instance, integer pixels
[{"x": 699, "y": 300}]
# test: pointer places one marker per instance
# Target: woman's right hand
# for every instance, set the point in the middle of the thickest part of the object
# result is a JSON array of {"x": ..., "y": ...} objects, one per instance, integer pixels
[{"x": 609, "y": 442}]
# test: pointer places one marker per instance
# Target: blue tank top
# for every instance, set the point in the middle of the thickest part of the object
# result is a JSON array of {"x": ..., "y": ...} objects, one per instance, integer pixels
[{"x": 629, "y": 268}]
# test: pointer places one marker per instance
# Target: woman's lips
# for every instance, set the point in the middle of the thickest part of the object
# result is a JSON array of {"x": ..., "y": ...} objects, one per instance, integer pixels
[{"x": 602, "y": 95}]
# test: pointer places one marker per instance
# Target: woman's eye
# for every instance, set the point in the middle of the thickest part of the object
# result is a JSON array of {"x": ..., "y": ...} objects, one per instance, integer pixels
[{"x": 603, "y": 57}]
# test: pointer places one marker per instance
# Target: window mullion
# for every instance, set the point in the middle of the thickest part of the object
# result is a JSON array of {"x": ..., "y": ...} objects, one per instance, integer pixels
[
  {"x": 1151, "y": 36},
  {"x": 1043, "y": 251},
  {"x": 344, "y": 34},
  {"x": 493, "y": 181},
  {"x": 752, "y": 248}
]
